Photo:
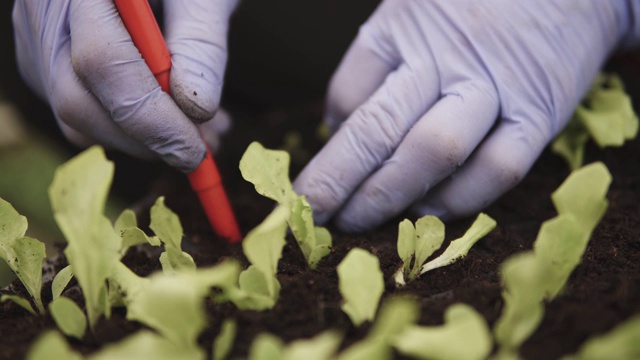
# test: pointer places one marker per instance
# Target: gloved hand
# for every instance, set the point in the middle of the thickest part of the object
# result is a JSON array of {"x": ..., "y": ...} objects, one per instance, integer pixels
[
  {"x": 78, "y": 56},
  {"x": 444, "y": 105}
]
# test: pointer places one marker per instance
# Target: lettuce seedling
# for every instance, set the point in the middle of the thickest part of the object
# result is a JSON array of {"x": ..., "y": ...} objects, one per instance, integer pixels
[
  {"x": 60, "y": 281},
  {"x": 127, "y": 226},
  {"x": 258, "y": 287},
  {"x": 361, "y": 284},
  {"x": 224, "y": 341},
  {"x": 153, "y": 301},
  {"x": 395, "y": 315},
  {"x": 464, "y": 335},
  {"x": 534, "y": 276},
  {"x": 78, "y": 195},
  {"x": 321, "y": 347},
  {"x": 166, "y": 225},
  {"x": 268, "y": 171},
  {"x": 416, "y": 244},
  {"x": 52, "y": 345},
  {"x": 621, "y": 343},
  {"x": 68, "y": 316},
  {"x": 147, "y": 345},
  {"x": 606, "y": 115},
  {"x": 23, "y": 255}
]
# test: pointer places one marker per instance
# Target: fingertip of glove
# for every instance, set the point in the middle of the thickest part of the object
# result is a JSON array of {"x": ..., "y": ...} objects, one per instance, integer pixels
[
  {"x": 196, "y": 104},
  {"x": 186, "y": 160}
]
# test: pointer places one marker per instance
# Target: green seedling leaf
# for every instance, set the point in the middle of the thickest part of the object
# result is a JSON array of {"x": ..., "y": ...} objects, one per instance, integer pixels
[
  {"x": 78, "y": 195},
  {"x": 571, "y": 142},
  {"x": 560, "y": 244},
  {"x": 416, "y": 244},
  {"x": 367, "y": 350},
  {"x": 268, "y": 171},
  {"x": 320, "y": 347},
  {"x": 224, "y": 341},
  {"x": 24, "y": 303},
  {"x": 259, "y": 288},
  {"x": 12, "y": 225},
  {"x": 23, "y": 255},
  {"x": 60, "y": 282},
  {"x": 166, "y": 225},
  {"x": 147, "y": 345},
  {"x": 174, "y": 260},
  {"x": 52, "y": 345},
  {"x": 606, "y": 115},
  {"x": 395, "y": 315},
  {"x": 465, "y": 336},
  {"x": 123, "y": 284},
  {"x": 361, "y": 284},
  {"x": 524, "y": 277},
  {"x": 156, "y": 302},
  {"x": 583, "y": 193},
  {"x": 315, "y": 242},
  {"x": 127, "y": 226},
  {"x": 460, "y": 247},
  {"x": 266, "y": 347},
  {"x": 535, "y": 276},
  {"x": 69, "y": 317},
  {"x": 581, "y": 203},
  {"x": 621, "y": 343}
]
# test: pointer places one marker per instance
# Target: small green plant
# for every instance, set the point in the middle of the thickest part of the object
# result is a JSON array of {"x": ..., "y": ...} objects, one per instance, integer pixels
[
  {"x": 78, "y": 196},
  {"x": 621, "y": 343},
  {"x": 258, "y": 287},
  {"x": 361, "y": 284},
  {"x": 465, "y": 335},
  {"x": 167, "y": 227},
  {"x": 321, "y": 347},
  {"x": 396, "y": 314},
  {"x": 606, "y": 115},
  {"x": 224, "y": 341},
  {"x": 416, "y": 244},
  {"x": 24, "y": 256},
  {"x": 268, "y": 171},
  {"x": 68, "y": 316},
  {"x": 531, "y": 277}
]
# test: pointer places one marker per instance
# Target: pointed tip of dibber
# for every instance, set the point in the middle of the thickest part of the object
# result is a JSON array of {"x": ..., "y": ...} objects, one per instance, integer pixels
[{"x": 206, "y": 181}]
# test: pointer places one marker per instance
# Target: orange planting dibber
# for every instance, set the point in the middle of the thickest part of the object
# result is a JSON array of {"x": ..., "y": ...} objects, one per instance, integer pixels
[{"x": 205, "y": 180}]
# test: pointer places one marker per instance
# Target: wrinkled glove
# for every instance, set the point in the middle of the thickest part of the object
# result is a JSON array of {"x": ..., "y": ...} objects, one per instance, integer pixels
[
  {"x": 441, "y": 106},
  {"x": 79, "y": 57}
]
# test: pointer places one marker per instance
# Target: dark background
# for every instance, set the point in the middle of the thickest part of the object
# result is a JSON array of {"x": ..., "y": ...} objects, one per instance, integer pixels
[{"x": 281, "y": 55}]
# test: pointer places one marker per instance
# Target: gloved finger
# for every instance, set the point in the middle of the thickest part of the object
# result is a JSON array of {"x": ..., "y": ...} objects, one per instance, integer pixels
[
  {"x": 109, "y": 65},
  {"x": 196, "y": 35},
  {"x": 367, "y": 139},
  {"x": 214, "y": 128},
  {"x": 80, "y": 115},
  {"x": 498, "y": 165},
  {"x": 436, "y": 145},
  {"x": 360, "y": 73}
]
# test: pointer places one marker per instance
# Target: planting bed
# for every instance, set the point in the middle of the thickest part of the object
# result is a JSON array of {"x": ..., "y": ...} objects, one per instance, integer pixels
[{"x": 602, "y": 292}]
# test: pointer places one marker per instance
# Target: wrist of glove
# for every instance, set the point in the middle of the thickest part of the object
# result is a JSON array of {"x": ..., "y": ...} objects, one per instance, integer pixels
[
  {"x": 78, "y": 56},
  {"x": 442, "y": 106}
]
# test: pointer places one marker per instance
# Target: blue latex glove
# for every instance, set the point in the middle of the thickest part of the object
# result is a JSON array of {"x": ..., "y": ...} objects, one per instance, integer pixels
[
  {"x": 441, "y": 106},
  {"x": 78, "y": 56}
]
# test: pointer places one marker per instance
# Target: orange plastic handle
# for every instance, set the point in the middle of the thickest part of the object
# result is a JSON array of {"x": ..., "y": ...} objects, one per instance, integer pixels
[{"x": 205, "y": 180}]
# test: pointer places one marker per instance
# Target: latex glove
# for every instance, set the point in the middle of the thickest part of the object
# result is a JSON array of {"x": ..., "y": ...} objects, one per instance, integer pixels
[
  {"x": 444, "y": 105},
  {"x": 78, "y": 56}
]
